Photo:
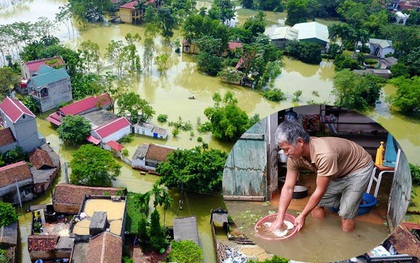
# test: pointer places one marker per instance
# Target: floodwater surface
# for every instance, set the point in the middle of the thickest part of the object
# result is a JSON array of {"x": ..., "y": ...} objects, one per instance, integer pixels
[
  {"x": 168, "y": 93},
  {"x": 317, "y": 241}
]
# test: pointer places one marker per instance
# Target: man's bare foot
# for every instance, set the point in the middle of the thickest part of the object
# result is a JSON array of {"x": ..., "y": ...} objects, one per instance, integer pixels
[
  {"x": 318, "y": 212},
  {"x": 347, "y": 225}
]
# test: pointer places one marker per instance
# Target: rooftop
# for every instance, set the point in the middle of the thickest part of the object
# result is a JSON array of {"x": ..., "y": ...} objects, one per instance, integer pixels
[
  {"x": 34, "y": 65},
  {"x": 11, "y": 173},
  {"x": 48, "y": 75},
  {"x": 6, "y": 137},
  {"x": 114, "y": 209},
  {"x": 86, "y": 104},
  {"x": 112, "y": 127},
  {"x": 14, "y": 109},
  {"x": 158, "y": 152}
]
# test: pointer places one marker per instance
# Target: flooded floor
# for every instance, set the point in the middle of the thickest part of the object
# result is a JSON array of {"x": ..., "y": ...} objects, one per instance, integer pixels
[{"x": 319, "y": 240}]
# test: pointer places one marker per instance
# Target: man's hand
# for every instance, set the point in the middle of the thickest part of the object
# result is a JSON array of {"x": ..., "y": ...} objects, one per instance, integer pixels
[
  {"x": 299, "y": 221},
  {"x": 278, "y": 224}
]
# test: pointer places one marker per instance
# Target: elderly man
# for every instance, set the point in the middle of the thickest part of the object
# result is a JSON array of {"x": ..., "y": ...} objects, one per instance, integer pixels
[{"x": 343, "y": 169}]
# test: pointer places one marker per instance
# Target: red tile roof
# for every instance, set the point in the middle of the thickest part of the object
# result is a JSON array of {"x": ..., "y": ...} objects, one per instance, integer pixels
[
  {"x": 132, "y": 4},
  {"x": 112, "y": 127},
  {"x": 158, "y": 152},
  {"x": 42, "y": 242},
  {"x": 86, "y": 104},
  {"x": 234, "y": 45},
  {"x": 54, "y": 118},
  {"x": 115, "y": 145},
  {"x": 14, "y": 109},
  {"x": 6, "y": 137},
  {"x": 34, "y": 65},
  {"x": 40, "y": 159},
  {"x": 11, "y": 172},
  {"x": 93, "y": 140},
  {"x": 68, "y": 197},
  {"x": 105, "y": 247}
]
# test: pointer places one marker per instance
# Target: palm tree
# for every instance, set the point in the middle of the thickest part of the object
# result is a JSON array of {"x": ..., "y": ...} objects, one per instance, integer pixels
[{"x": 162, "y": 198}]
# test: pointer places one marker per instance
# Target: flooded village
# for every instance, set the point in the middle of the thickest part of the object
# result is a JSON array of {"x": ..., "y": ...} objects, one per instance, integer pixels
[{"x": 63, "y": 222}]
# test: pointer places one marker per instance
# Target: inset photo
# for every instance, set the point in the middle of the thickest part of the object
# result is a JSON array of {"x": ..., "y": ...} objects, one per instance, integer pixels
[{"x": 317, "y": 183}]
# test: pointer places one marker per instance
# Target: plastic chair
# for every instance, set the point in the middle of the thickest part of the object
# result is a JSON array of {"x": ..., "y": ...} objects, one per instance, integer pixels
[{"x": 391, "y": 157}]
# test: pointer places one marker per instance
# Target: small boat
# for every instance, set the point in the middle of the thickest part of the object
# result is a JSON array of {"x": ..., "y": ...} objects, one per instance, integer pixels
[{"x": 192, "y": 97}]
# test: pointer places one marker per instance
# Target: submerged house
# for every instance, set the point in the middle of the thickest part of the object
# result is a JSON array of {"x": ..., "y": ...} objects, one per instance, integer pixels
[
  {"x": 80, "y": 107},
  {"x": 133, "y": 13},
  {"x": 380, "y": 47},
  {"x": 312, "y": 32},
  {"x": 45, "y": 167},
  {"x": 20, "y": 122},
  {"x": 148, "y": 156},
  {"x": 281, "y": 35},
  {"x": 14, "y": 177},
  {"x": 30, "y": 69},
  {"x": 50, "y": 87}
]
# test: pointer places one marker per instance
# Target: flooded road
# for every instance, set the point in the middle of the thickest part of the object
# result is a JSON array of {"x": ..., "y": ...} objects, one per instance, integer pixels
[{"x": 168, "y": 94}]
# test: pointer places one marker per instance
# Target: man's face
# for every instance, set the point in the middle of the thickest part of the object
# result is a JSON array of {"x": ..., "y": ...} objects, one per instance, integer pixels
[{"x": 292, "y": 151}]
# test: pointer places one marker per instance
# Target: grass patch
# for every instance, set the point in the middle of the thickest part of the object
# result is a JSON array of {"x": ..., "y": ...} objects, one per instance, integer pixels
[{"x": 133, "y": 216}]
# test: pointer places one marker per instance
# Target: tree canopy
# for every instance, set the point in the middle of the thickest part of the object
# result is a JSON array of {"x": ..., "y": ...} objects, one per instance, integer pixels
[
  {"x": 407, "y": 97},
  {"x": 132, "y": 103},
  {"x": 185, "y": 251},
  {"x": 354, "y": 91},
  {"x": 7, "y": 214},
  {"x": 93, "y": 166},
  {"x": 74, "y": 129},
  {"x": 227, "y": 121},
  {"x": 8, "y": 80},
  {"x": 198, "y": 169}
]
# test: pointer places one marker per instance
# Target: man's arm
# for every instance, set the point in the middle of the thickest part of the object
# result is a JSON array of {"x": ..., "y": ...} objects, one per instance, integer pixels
[
  {"x": 321, "y": 187},
  {"x": 284, "y": 199}
]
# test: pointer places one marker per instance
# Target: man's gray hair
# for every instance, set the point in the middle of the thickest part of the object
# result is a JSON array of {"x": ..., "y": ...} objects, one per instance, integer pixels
[{"x": 289, "y": 132}]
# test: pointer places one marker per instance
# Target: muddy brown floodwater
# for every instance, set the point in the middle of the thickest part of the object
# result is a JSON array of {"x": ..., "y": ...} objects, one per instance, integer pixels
[{"x": 168, "y": 93}]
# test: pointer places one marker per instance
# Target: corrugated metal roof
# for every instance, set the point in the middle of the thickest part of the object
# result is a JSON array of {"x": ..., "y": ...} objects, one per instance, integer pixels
[
  {"x": 86, "y": 104},
  {"x": 384, "y": 43},
  {"x": 186, "y": 229},
  {"x": 49, "y": 75},
  {"x": 34, "y": 65},
  {"x": 284, "y": 32},
  {"x": 112, "y": 127},
  {"x": 311, "y": 30}
]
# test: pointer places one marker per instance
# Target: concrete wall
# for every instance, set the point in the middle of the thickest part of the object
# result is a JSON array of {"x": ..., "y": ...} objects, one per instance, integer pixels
[
  {"x": 26, "y": 133},
  {"x": 116, "y": 136},
  {"x": 58, "y": 92},
  {"x": 400, "y": 194},
  {"x": 245, "y": 173}
]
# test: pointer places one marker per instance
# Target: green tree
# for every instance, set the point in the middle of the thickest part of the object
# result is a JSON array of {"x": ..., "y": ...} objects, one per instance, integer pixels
[
  {"x": 198, "y": 170},
  {"x": 224, "y": 9},
  {"x": 399, "y": 70},
  {"x": 227, "y": 121},
  {"x": 93, "y": 166},
  {"x": 14, "y": 155},
  {"x": 7, "y": 214},
  {"x": 274, "y": 94},
  {"x": 74, "y": 129},
  {"x": 31, "y": 104},
  {"x": 185, "y": 251},
  {"x": 412, "y": 60},
  {"x": 90, "y": 56},
  {"x": 144, "y": 237},
  {"x": 354, "y": 91},
  {"x": 162, "y": 198},
  {"x": 157, "y": 233},
  {"x": 297, "y": 12},
  {"x": 132, "y": 103},
  {"x": 84, "y": 85},
  {"x": 90, "y": 11},
  {"x": 343, "y": 61},
  {"x": 167, "y": 22},
  {"x": 8, "y": 80},
  {"x": 407, "y": 97}
]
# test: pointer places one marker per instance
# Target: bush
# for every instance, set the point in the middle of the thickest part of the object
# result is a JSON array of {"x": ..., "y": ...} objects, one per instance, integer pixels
[
  {"x": 199, "y": 139},
  {"x": 185, "y": 251},
  {"x": 415, "y": 173},
  {"x": 7, "y": 214},
  {"x": 162, "y": 117},
  {"x": 274, "y": 95}
]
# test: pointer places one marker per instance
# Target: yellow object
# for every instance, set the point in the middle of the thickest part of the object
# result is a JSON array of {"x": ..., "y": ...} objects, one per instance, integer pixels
[{"x": 380, "y": 154}]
